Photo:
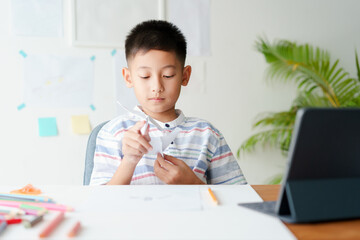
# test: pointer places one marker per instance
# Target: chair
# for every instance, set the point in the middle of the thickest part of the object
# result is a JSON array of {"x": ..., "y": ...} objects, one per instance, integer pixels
[{"x": 90, "y": 151}]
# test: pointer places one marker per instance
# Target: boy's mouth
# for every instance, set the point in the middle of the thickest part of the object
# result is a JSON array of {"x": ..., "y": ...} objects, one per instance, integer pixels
[{"x": 156, "y": 99}]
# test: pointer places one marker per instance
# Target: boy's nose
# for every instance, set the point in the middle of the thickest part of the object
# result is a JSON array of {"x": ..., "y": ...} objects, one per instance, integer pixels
[{"x": 157, "y": 86}]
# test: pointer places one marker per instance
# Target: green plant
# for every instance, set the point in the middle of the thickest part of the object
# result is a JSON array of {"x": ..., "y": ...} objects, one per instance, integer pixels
[{"x": 320, "y": 83}]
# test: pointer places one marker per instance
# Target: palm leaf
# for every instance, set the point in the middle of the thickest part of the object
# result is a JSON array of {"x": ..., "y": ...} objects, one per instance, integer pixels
[
  {"x": 357, "y": 65},
  {"x": 309, "y": 67}
]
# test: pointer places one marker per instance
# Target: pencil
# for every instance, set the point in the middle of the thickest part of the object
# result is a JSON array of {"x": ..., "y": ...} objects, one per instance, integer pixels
[
  {"x": 35, "y": 212},
  {"x": 31, "y": 198},
  {"x": 48, "y": 206},
  {"x": 3, "y": 225},
  {"x": 213, "y": 196},
  {"x": 74, "y": 229},
  {"x": 14, "y": 221},
  {"x": 13, "y": 210},
  {"x": 33, "y": 221},
  {"x": 52, "y": 225}
]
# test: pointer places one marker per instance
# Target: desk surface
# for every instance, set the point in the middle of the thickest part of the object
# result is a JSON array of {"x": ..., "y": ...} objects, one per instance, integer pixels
[
  {"x": 332, "y": 230},
  {"x": 154, "y": 212}
]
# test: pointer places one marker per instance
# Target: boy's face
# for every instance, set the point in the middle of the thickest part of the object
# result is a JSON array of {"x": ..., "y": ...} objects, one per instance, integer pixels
[{"x": 157, "y": 77}]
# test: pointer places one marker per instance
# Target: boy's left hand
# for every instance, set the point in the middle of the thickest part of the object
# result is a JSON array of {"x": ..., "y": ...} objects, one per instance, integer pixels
[{"x": 171, "y": 170}]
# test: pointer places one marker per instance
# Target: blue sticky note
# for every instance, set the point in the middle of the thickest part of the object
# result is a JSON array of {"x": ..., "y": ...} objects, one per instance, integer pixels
[
  {"x": 47, "y": 127},
  {"x": 92, "y": 107},
  {"x": 113, "y": 52},
  {"x": 22, "y": 53},
  {"x": 92, "y": 58},
  {"x": 21, "y": 106}
]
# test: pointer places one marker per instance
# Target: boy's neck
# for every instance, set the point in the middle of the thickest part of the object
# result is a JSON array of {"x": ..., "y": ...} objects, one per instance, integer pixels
[{"x": 166, "y": 116}]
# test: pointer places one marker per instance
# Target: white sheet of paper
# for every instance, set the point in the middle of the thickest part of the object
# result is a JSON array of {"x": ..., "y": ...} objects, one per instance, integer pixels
[
  {"x": 58, "y": 81},
  {"x": 37, "y": 18},
  {"x": 195, "y": 26},
  {"x": 159, "y": 143},
  {"x": 124, "y": 94},
  {"x": 143, "y": 199}
]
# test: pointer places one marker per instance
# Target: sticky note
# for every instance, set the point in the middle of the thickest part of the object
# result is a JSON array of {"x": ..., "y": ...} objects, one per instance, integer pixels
[
  {"x": 113, "y": 52},
  {"x": 92, "y": 107},
  {"x": 80, "y": 124},
  {"x": 92, "y": 58},
  {"x": 47, "y": 127}
]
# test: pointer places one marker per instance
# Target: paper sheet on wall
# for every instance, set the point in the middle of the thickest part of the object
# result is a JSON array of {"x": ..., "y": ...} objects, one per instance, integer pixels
[
  {"x": 37, "y": 18},
  {"x": 54, "y": 81},
  {"x": 124, "y": 95},
  {"x": 142, "y": 199},
  {"x": 195, "y": 26}
]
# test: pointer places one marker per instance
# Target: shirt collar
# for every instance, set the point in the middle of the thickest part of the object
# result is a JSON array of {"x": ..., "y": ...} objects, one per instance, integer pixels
[{"x": 167, "y": 125}]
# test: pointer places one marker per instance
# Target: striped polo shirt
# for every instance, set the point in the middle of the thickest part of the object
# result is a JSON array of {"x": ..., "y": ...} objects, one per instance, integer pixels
[{"x": 200, "y": 145}]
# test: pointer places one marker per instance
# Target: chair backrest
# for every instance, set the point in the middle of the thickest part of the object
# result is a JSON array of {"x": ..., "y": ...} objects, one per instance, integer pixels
[{"x": 90, "y": 151}]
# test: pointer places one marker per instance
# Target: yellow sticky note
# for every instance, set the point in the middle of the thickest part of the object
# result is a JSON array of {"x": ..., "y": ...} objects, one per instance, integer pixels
[{"x": 80, "y": 124}]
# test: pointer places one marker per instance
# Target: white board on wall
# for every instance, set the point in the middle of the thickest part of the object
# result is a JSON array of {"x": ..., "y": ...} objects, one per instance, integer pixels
[{"x": 105, "y": 23}]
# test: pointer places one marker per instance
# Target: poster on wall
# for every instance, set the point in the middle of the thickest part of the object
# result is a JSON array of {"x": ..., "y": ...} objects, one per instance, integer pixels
[
  {"x": 195, "y": 26},
  {"x": 57, "y": 81},
  {"x": 38, "y": 18},
  {"x": 105, "y": 23}
]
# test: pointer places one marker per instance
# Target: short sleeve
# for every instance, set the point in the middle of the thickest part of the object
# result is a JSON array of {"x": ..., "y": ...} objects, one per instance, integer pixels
[
  {"x": 223, "y": 167},
  {"x": 107, "y": 157}
]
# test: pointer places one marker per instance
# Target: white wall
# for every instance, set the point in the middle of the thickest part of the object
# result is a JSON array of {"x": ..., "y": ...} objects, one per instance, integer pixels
[{"x": 235, "y": 87}]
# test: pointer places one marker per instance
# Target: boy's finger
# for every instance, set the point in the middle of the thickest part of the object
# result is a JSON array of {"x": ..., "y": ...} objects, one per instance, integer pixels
[
  {"x": 137, "y": 127},
  {"x": 163, "y": 163},
  {"x": 159, "y": 171},
  {"x": 172, "y": 159},
  {"x": 139, "y": 138},
  {"x": 132, "y": 151},
  {"x": 136, "y": 145}
]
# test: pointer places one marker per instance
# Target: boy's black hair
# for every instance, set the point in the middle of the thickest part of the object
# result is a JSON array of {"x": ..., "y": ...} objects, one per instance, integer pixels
[{"x": 157, "y": 35}]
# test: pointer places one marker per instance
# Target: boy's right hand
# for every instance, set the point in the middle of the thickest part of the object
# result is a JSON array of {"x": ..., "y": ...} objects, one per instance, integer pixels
[{"x": 134, "y": 144}]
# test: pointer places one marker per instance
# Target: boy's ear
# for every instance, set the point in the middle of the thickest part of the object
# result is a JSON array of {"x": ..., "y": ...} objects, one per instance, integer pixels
[
  {"x": 127, "y": 77},
  {"x": 186, "y": 75}
]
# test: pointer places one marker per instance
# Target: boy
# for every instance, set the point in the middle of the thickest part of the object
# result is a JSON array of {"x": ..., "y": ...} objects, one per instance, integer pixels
[{"x": 198, "y": 154}]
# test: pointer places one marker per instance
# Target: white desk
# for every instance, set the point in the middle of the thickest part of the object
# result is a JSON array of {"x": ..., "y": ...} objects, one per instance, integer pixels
[{"x": 226, "y": 221}]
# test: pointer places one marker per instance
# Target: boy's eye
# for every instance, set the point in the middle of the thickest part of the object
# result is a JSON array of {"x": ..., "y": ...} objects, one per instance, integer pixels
[
  {"x": 144, "y": 77},
  {"x": 169, "y": 76}
]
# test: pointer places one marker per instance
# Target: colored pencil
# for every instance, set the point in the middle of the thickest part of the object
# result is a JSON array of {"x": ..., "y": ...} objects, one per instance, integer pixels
[
  {"x": 14, "y": 221},
  {"x": 48, "y": 206},
  {"x": 27, "y": 206},
  {"x": 35, "y": 212},
  {"x": 31, "y": 198},
  {"x": 10, "y": 209},
  {"x": 3, "y": 225},
  {"x": 213, "y": 197},
  {"x": 52, "y": 225},
  {"x": 74, "y": 230},
  {"x": 28, "y": 223}
]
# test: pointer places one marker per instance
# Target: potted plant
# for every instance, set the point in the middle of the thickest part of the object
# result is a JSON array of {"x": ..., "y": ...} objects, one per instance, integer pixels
[{"x": 320, "y": 83}]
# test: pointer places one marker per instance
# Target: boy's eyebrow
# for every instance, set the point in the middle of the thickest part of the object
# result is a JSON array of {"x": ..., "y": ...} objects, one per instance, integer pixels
[{"x": 167, "y": 66}]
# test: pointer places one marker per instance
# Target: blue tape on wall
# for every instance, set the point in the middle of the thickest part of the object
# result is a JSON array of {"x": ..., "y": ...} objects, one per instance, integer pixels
[
  {"x": 92, "y": 107},
  {"x": 22, "y": 53},
  {"x": 21, "y": 106},
  {"x": 92, "y": 58},
  {"x": 113, "y": 52}
]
